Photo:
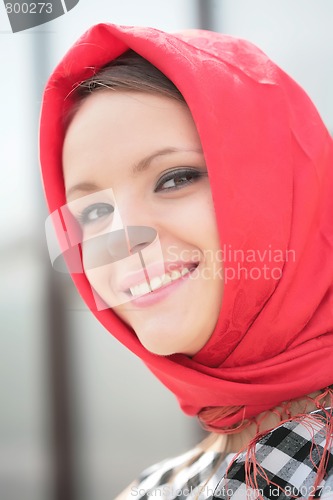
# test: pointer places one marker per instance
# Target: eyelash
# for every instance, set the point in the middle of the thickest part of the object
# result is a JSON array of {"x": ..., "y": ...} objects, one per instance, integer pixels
[
  {"x": 179, "y": 173},
  {"x": 83, "y": 217}
]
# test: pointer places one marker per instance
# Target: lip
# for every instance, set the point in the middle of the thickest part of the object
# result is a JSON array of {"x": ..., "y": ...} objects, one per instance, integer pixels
[
  {"x": 155, "y": 296},
  {"x": 152, "y": 271}
]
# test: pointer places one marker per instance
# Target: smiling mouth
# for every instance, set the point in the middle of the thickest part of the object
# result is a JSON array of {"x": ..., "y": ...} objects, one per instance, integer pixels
[{"x": 158, "y": 282}]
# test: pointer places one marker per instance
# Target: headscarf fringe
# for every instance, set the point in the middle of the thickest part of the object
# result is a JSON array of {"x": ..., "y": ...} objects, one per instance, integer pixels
[{"x": 320, "y": 428}]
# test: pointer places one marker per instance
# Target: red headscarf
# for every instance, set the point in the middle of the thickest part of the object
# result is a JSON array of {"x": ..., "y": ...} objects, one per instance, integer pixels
[{"x": 270, "y": 164}]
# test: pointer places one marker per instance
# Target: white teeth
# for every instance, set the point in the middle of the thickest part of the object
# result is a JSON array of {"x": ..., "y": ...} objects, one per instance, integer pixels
[
  {"x": 140, "y": 289},
  {"x": 167, "y": 279},
  {"x": 158, "y": 282},
  {"x": 175, "y": 275}
]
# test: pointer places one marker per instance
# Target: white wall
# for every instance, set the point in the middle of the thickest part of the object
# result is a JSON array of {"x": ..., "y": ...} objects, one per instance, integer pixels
[{"x": 296, "y": 34}]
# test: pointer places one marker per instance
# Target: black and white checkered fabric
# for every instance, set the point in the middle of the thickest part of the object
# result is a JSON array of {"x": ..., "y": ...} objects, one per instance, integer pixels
[{"x": 287, "y": 458}]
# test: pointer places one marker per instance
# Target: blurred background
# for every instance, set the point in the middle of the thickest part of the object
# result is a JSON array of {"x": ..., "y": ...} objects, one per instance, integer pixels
[{"x": 81, "y": 417}]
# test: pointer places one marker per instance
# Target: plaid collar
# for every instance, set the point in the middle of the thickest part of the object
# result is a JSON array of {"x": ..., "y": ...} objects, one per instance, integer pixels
[{"x": 287, "y": 459}]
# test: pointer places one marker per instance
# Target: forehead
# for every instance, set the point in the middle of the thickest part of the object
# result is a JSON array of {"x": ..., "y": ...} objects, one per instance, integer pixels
[{"x": 112, "y": 128}]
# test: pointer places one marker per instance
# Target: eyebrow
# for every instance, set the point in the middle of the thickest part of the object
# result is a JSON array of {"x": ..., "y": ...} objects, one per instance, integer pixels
[
  {"x": 141, "y": 166},
  {"x": 145, "y": 162}
]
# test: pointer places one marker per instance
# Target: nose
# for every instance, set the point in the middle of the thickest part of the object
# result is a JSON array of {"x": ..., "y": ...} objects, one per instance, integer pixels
[
  {"x": 130, "y": 243},
  {"x": 140, "y": 237},
  {"x": 119, "y": 244},
  {"x": 130, "y": 240},
  {"x": 134, "y": 227}
]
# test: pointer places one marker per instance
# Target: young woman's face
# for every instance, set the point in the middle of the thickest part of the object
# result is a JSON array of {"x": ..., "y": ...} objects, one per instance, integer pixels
[{"x": 110, "y": 135}]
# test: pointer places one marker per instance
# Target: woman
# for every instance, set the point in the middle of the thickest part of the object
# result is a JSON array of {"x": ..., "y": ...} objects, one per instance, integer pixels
[{"x": 195, "y": 180}]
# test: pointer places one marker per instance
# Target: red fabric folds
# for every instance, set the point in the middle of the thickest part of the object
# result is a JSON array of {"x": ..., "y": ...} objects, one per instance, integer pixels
[{"x": 270, "y": 164}]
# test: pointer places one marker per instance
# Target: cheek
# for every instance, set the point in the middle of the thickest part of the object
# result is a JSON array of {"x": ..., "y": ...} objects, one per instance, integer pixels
[
  {"x": 98, "y": 272},
  {"x": 98, "y": 282},
  {"x": 197, "y": 221},
  {"x": 208, "y": 223}
]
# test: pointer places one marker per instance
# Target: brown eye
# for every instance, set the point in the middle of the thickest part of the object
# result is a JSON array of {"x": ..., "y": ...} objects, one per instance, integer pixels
[{"x": 178, "y": 179}]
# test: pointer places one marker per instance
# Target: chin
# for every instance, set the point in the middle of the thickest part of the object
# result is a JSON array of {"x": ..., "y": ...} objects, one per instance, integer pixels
[
  {"x": 159, "y": 348},
  {"x": 166, "y": 336},
  {"x": 163, "y": 347}
]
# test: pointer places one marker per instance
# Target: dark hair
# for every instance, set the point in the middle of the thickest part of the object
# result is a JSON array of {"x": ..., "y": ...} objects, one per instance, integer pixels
[{"x": 128, "y": 72}]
